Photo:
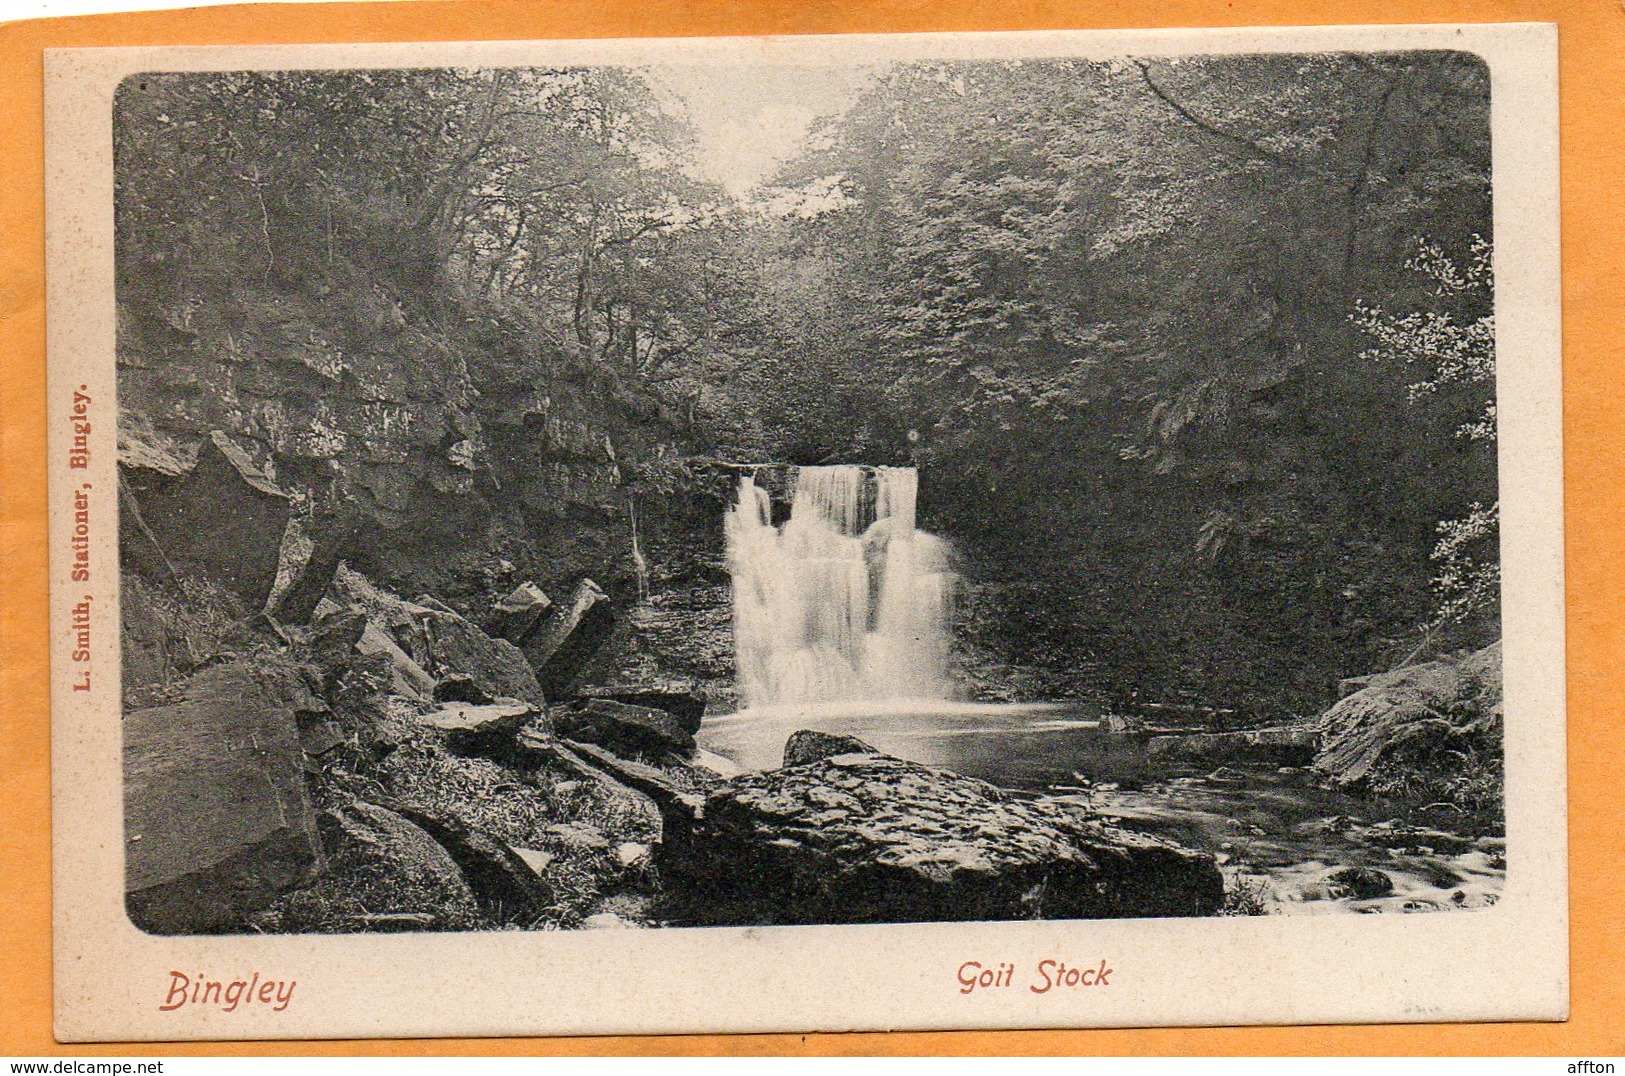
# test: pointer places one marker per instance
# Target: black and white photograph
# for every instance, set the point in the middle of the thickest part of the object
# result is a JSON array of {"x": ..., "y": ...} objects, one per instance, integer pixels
[{"x": 634, "y": 495}]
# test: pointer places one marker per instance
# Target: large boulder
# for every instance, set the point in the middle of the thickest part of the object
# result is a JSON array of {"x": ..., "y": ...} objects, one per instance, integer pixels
[
  {"x": 1286, "y": 746},
  {"x": 381, "y": 863},
  {"x": 215, "y": 816},
  {"x": 864, "y": 838},
  {"x": 517, "y": 615},
  {"x": 1431, "y": 730},
  {"x": 439, "y": 641},
  {"x": 507, "y": 886},
  {"x": 495, "y": 666},
  {"x": 561, "y": 646},
  {"x": 625, "y": 728},
  {"x": 810, "y": 745},
  {"x": 221, "y": 517}
]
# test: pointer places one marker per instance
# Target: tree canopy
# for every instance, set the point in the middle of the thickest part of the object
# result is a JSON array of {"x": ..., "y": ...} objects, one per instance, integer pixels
[{"x": 1181, "y": 345}]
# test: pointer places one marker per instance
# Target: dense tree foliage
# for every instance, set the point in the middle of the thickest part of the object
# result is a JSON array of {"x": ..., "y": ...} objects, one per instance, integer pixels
[
  {"x": 1114, "y": 303},
  {"x": 1151, "y": 327},
  {"x": 555, "y": 197}
]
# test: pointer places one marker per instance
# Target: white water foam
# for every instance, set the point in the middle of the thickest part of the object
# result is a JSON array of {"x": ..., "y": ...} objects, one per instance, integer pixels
[{"x": 848, "y": 601}]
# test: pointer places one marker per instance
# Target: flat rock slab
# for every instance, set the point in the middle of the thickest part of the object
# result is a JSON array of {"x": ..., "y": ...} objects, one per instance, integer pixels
[
  {"x": 682, "y": 699},
  {"x": 504, "y": 715},
  {"x": 215, "y": 816},
  {"x": 863, "y": 838}
]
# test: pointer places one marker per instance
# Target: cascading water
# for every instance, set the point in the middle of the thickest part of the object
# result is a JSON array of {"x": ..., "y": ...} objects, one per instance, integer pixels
[{"x": 848, "y": 601}]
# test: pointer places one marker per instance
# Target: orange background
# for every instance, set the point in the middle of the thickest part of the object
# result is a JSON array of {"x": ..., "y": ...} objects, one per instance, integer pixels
[{"x": 1592, "y": 51}]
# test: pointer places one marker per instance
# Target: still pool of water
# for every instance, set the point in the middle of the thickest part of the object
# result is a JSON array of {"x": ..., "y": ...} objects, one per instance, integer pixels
[
  {"x": 1279, "y": 830},
  {"x": 1015, "y": 745}
]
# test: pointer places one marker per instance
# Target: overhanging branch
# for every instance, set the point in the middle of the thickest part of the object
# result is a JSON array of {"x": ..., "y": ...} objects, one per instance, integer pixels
[{"x": 1247, "y": 145}]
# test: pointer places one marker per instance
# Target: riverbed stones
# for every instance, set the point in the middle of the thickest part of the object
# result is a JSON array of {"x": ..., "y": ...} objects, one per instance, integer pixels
[
  {"x": 864, "y": 838},
  {"x": 1285, "y": 746},
  {"x": 1361, "y": 883},
  {"x": 579, "y": 837},
  {"x": 631, "y": 854}
]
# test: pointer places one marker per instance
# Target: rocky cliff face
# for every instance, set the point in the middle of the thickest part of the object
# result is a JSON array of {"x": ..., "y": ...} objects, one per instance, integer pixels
[{"x": 460, "y": 454}]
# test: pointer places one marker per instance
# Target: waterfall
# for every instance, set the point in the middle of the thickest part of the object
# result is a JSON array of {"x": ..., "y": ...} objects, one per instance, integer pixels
[
  {"x": 848, "y": 601},
  {"x": 639, "y": 564}
]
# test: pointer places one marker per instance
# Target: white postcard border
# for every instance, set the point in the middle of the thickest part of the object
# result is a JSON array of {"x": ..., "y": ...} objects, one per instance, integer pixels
[{"x": 1503, "y": 963}]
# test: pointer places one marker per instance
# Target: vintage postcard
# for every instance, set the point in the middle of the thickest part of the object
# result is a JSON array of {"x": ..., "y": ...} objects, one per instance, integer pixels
[{"x": 826, "y": 533}]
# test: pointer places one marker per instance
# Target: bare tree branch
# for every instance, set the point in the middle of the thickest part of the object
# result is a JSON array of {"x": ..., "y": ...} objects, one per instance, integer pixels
[{"x": 1247, "y": 146}]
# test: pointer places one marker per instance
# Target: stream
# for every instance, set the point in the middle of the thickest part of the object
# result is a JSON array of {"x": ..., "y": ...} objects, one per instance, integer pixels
[{"x": 1279, "y": 832}]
